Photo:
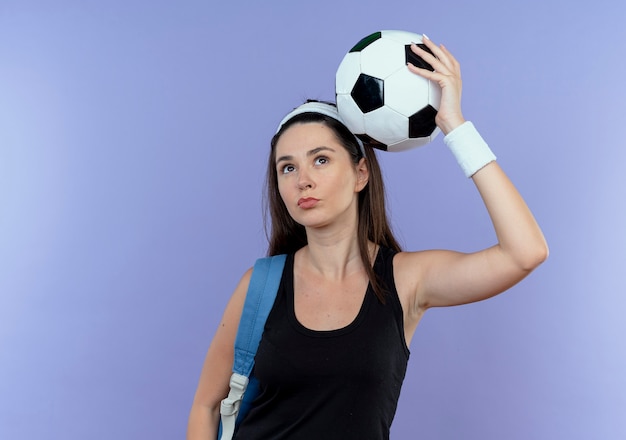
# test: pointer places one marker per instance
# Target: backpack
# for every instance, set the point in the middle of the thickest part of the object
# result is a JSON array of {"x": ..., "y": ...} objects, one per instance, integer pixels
[{"x": 260, "y": 297}]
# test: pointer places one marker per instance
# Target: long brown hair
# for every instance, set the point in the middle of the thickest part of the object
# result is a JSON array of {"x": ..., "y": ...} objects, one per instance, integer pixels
[{"x": 286, "y": 236}]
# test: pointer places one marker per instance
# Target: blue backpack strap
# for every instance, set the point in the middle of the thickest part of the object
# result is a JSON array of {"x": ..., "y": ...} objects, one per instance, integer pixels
[{"x": 260, "y": 298}]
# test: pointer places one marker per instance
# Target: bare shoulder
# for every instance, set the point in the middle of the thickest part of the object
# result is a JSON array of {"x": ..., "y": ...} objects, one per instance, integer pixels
[
  {"x": 412, "y": 263},
  {"x": 410, "y": 267},
  {"x": 413, "y": 270},
  {"x": 233, "y": 310},
  {"x": 227, "y": 330}
]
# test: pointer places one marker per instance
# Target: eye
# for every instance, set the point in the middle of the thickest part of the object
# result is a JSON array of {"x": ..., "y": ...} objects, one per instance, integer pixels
[
  {"x": 287, "y": 169},
  {"x": 321, "y": 160}
]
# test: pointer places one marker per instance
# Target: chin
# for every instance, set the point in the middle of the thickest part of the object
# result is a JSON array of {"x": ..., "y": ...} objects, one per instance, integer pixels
[{"x": 312, "y": 223}]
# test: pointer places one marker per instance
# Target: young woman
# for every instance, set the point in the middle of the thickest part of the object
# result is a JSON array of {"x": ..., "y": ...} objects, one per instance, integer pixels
[{"x": 335, "y": 347}]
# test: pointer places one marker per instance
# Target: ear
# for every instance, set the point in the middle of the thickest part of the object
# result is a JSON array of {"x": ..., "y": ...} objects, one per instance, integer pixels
[{"x": 362, "y": 175}]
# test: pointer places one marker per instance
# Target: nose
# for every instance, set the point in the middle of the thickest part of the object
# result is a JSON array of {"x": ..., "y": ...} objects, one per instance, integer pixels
[{"x": 304, "y": 180}]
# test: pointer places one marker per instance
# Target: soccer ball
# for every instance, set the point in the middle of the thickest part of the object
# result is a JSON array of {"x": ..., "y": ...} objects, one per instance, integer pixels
[{"x": 380, "y": 100}]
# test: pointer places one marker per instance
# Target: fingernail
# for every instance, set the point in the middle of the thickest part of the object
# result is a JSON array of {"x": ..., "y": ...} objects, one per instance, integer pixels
[{"x": 425, "y": 36}]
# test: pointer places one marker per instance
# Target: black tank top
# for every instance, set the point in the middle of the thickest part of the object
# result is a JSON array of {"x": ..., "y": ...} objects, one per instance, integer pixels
[{"x": 338, "y": 384}]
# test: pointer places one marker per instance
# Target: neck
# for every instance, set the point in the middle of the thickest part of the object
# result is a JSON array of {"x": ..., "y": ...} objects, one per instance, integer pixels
[{"x": 332, "y": 254}]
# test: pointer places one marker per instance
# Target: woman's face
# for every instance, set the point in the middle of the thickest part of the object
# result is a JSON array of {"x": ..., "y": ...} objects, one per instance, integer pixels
[{"x": 317, "y": 180}]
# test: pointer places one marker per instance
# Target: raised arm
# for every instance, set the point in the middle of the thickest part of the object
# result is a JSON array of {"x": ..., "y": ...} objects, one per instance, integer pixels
[{"x": 444, "y": 278}]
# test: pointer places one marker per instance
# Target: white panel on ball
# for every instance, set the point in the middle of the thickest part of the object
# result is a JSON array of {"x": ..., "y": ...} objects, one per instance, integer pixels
[
  {"x": 390, "y": 126},
  {"x": 349, "y": 72},
  {"x": 407, "y": 93},
  {"x": 402, "y": 37},
  {"x": 434, "y": 94},
  {"x": 409, "y": 144},
  {"x": 381, "y": 58},
  {"x": 352, "y": 116}
]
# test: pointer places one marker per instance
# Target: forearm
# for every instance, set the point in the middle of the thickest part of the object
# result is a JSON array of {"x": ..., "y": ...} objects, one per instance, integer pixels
[
  {"x": 203, "y": 422},
  {"x": 519, "y": 236}
]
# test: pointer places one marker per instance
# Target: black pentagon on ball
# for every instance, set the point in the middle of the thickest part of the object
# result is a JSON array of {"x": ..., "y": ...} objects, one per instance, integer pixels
[
  {"x": 422, "y": 123},
  {"x": 364, "y": 42},
  {"x": 368, "y": 93},
  {"x": 416, "y": 60}
]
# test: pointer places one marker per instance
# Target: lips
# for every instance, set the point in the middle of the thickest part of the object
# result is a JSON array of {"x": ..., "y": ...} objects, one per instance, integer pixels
[{"x": 307, "y": 202}]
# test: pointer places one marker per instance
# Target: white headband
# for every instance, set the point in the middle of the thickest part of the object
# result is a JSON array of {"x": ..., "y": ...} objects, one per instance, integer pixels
[{"x": 321, "y": 108}]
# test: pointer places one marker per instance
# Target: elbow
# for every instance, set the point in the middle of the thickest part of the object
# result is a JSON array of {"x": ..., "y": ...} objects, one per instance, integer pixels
[
  {"x": 526, "y": 257},
  {"x": 534, "y": 257},
  {"x": 542, "y": 252}
]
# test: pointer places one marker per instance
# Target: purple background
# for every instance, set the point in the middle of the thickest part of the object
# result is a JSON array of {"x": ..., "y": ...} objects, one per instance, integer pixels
[{"x": 133, "y": 138}]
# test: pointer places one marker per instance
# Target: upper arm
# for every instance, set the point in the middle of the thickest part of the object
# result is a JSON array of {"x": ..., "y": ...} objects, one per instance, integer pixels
[
  {"x": 446, "y": 278},
  {"x": 214, "y": 380},
  {"x": 439, "y": 278}
]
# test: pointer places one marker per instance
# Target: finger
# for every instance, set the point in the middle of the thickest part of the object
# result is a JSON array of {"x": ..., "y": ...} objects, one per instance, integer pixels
[
  {"x": 442, "y": 53},
  {"x": 453, "y": 63},
  {"x": 418, "y": 70},
  {"x": 436, "y": 50},
  {"x": 425, "y": 73},
  {"x": 428, "y": 42},
  {"x": 428, "y": 57}
]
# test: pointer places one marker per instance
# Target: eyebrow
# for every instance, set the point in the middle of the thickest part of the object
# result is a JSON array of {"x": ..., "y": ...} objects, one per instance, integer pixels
[{"x": 309, "y": 153}]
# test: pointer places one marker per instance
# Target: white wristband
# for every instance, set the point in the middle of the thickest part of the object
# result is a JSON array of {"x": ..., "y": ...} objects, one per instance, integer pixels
[{"x": 469, "y": 148}]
